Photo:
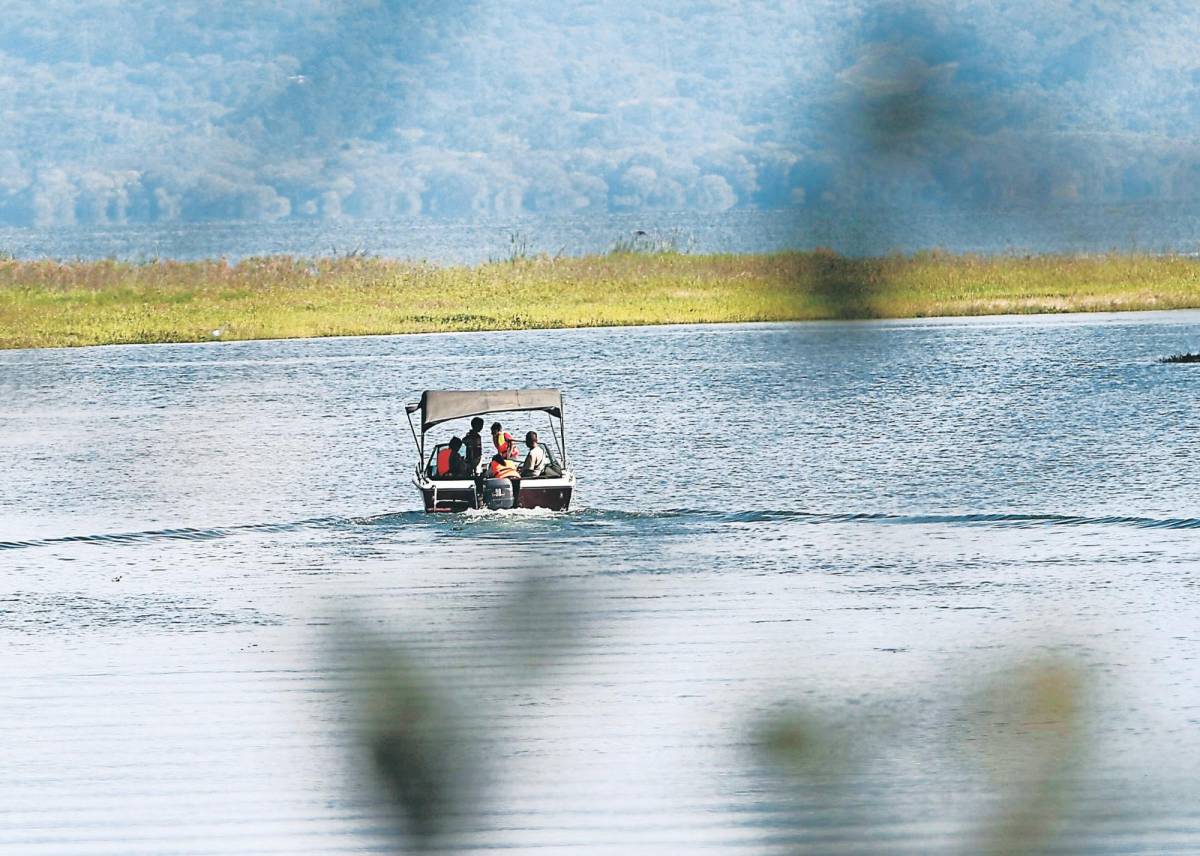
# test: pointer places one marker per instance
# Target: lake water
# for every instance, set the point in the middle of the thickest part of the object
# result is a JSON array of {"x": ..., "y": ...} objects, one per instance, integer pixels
[
  {"x": 1147, "y": 227},
  {"x": 882, "y": 531}
]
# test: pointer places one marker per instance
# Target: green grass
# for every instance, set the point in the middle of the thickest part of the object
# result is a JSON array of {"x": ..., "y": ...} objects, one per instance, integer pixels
[{"x": 52, "y": 304}]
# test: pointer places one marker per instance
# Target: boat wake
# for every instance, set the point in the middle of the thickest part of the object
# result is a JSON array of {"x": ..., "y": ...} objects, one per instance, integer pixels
[
  {"x": 187, "y": 533},
  {"x": 594, "y": 520},
  {"x": 1006, "y": 519}
]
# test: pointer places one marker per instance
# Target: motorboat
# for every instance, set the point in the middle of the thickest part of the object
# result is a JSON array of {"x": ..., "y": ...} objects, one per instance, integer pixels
[{"x": 552, "y": 490}]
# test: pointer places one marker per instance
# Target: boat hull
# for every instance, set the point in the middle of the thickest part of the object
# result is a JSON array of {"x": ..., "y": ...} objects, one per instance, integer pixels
[
  {"x": 448, "y": 499},
  {"x": 554, "y": 498},
  {"x": 551, "y": 494}
]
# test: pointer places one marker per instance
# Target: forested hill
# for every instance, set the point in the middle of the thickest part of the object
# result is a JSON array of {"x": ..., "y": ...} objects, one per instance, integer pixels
[{"x": 132, "y": 110}]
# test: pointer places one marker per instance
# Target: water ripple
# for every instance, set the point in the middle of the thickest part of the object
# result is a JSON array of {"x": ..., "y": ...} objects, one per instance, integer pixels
[
  {"x": 593, "y": 519},
  {"x": 174, "y": 534},
  {"x": 32, "y": 612}
]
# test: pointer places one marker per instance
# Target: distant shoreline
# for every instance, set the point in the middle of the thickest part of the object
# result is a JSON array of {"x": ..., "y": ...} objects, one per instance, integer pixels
[{"x": 56, "y": 304}]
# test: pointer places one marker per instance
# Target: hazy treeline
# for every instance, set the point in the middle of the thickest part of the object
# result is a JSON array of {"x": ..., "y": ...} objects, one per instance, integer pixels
[{"x": 144, "y": 111}]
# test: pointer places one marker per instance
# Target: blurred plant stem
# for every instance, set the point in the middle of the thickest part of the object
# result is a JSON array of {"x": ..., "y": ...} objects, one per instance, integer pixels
[
  {"x": 1032, "y": 741},
  {"x": 424, "y": 732},
  {"x": 1025, "y": 729}
]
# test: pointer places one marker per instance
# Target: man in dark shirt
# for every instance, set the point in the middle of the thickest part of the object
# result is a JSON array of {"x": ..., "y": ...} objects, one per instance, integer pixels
[
  {"x": 474, "y": 443},
  {"x": 459, "y": 468}
]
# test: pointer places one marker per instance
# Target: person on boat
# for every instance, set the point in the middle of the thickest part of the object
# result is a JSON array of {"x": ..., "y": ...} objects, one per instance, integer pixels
[
  {"x": 473, "y": 440},
  {"x": 441, "y": 465},
  {"x": 502, "y": 468},
  {"x": 535, "y": 462},
  {"x": 459, "y": 468},
  {"x": 451, "y": 463},
  {"x": 504, "y": 443}
]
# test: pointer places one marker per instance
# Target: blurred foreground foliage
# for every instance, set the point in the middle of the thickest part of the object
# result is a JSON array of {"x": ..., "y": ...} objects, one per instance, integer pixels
[
  {"x": 427, "y": 753},
  {"x": 424, "y": 729},
  {"x": 1025, "y": 732},
  {"x": 52, "y": 304}
]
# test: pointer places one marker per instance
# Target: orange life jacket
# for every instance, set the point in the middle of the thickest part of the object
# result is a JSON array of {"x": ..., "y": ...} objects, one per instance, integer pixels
[
  {"x": 501, "y": 471},
  {"x": 443, "y": 462},
  {"x": 507, "y": 447}
]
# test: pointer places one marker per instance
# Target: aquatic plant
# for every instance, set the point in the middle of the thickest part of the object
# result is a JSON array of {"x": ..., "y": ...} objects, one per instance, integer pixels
[
  {"x": 518, "y": 246},
  {"x": 641, "y": 242},
  {"x": 47, "y": 303}
]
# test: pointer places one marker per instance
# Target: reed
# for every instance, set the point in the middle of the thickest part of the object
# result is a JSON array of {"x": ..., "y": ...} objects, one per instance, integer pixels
[{"x": 54, "y": 304}]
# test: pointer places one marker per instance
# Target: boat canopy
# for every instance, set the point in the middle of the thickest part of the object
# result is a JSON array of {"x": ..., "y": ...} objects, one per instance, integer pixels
[{"x": 443, "y": 405}]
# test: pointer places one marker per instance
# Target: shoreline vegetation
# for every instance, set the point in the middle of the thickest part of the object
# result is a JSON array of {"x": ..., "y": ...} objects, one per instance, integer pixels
[{"x": 58, "y": 304}]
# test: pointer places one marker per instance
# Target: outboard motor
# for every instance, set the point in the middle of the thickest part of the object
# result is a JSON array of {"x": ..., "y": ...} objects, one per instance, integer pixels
[{"x": 497, "y": 494}]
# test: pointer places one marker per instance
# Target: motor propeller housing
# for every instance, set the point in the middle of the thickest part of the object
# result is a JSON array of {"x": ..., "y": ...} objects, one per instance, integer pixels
[{"x": 498, "y": 494}]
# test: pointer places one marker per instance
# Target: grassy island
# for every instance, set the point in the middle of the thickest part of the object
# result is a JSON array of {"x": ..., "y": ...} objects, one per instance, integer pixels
[{"x": 50, "y": 304}]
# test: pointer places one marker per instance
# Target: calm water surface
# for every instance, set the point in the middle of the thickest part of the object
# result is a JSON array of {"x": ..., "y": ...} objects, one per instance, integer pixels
[
  {"x": 1062, "y": 228},
  {"x": 878, "y": 527}
]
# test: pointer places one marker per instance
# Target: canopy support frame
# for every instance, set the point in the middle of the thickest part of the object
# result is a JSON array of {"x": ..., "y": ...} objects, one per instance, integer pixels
[{"x": 419, "y": 443}]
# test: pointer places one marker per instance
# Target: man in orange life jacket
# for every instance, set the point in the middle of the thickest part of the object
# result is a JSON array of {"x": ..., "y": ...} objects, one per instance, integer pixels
[
  {"x": 504, "y": 443},
  {"x": 500, "y": 468},
  {"x": 451, "y": 463}
]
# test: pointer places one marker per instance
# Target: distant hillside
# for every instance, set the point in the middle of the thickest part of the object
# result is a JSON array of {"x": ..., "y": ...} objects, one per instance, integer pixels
[{"x": 153, "y": 111}]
